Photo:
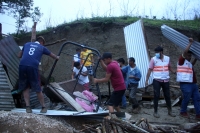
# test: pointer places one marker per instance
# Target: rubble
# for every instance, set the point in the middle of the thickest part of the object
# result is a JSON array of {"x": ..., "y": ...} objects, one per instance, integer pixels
[{"x": 27, "y": 122}]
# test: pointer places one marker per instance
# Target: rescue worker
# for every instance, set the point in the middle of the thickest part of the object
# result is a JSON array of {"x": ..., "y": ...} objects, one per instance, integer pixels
[
  {"x": 160, "y": 66},
  {"x": 187, "y": 79}
]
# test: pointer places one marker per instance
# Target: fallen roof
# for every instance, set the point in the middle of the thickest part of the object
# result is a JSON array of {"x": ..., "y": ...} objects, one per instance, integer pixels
[
  {"x": 180, "y": 40},
  {"x": 9, "y": 51}
]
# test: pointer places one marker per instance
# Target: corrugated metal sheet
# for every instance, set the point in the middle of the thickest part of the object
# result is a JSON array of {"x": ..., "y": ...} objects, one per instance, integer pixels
[
  {"x": 34, "y": 102},
  {"x": 180, "y": 40},
  {"x": 136, "y": 46},
  {"x": 9, "y": 51},
  {"x": 6, "y": 99}
]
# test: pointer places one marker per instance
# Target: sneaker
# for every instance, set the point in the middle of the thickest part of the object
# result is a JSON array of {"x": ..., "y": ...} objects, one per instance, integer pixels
[
  {"x": 28, "y": 109},
  {"x": 198, "y": 117},
  {"x": 155, "y": 114},
  {"x": 184, "y": 114},
  {"x": 171, "y": 114},
  {"x": 43, "y": 110}
]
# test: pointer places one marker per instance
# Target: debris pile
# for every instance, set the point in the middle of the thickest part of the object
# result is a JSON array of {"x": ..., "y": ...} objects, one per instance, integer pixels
[{"x": 113, "y": 124}]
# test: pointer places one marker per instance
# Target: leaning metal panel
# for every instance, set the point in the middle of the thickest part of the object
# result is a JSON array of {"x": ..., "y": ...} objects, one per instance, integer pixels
[{"x": 136, "y": 47}]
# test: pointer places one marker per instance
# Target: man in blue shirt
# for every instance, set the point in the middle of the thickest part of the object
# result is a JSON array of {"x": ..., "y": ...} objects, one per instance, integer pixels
[
  {"x": 28, "y": 70},
  {"x": 121, "y": 62},
  {"x": 133, "y": 76}
]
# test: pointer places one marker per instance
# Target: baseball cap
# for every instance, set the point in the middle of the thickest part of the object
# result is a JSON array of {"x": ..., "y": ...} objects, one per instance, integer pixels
[
  {"x": 106, "y": 55},
  {"x": 41, "y": 37}
]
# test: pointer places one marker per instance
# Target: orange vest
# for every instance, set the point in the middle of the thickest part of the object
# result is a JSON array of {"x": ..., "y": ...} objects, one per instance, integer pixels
[
  {"x": 161, "y": 68},
  {"x": 184, "y": 72}
]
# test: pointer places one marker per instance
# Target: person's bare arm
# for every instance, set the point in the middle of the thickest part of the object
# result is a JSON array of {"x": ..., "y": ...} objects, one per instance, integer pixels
[
  {"x": 147, "y": 77},
  {"x": 103, "y": 65},
  {"x": 73, "y": 75},
  {"x": 20, "y": 54},
  {"x": 194, "y": 61},
  {"x": 188, "y": 47},
  {"x": 54, "y": 56},
  {"x": 105, "y": 79}
]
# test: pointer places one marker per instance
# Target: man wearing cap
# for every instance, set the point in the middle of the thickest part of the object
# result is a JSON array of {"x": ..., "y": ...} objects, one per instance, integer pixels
[
  {"x": 187, "y": 78},
  {"x": 114, "y": 74},
  {"x": 160, "y": 66},
  {"x": 28, "y": 70}
]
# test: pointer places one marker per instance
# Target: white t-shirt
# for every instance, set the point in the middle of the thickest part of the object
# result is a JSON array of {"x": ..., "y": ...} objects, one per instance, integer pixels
[
  {"x": 76, "y": 58},
  {"x": 82, "y": 79}
]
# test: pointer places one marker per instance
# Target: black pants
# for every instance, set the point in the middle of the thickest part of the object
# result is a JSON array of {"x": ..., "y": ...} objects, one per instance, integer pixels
[{"x": 165, "y": 87}]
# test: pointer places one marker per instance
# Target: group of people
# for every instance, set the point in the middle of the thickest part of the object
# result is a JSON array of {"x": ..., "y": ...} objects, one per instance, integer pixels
[
  {"x": 127, "y": 77},
  {"x": 122, "y": 77},
  {"x": 84, "y": 75}
]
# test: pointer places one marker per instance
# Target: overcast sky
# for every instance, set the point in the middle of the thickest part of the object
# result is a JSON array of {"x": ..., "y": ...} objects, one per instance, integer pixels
[{"x": 57, "y": 12}]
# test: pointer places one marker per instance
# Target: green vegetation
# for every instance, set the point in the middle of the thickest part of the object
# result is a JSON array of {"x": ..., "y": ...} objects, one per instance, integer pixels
[{"x": 126, "y": 20}]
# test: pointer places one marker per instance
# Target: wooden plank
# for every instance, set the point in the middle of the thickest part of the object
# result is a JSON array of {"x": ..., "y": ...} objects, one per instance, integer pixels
[{"x": 67, "y": 97}]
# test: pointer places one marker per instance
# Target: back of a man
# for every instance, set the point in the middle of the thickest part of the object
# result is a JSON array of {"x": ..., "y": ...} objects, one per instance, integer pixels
[
  {"x": 28, "y": 71},
  {"x": 32, "y": 53}
]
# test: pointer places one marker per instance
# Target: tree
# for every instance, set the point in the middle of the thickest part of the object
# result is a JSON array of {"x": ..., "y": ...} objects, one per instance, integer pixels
[{"x": 20, "y": 10}]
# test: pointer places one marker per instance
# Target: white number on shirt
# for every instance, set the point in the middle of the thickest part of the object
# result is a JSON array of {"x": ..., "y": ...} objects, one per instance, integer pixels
[{"x": 31, "y": 52}]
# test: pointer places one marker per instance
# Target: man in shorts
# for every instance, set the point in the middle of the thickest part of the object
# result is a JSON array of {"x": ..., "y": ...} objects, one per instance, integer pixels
[
  {"x": 114, "y": 74},
  {"x": 28, "y": 70}
]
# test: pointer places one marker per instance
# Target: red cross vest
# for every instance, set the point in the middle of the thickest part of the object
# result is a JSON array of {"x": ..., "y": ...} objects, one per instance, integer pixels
[
  {"x": 161, "y": 68},
  {"x": 185, "y": 72}
]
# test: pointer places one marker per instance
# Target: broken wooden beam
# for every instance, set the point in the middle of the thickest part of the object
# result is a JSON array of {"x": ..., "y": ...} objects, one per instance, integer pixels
[{"x": 67, "y": 98}]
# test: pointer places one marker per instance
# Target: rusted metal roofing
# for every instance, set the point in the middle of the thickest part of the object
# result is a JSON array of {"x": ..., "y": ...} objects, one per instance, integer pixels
[
  {"x": 136, "y": 46},
  {"x": 9, "y": 51},
  {"x": 6, "y": 99},
  {"x": 180, "y": 40}
]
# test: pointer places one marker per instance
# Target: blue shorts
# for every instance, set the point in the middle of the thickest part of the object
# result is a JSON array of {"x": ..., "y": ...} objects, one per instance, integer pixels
[
  {"x": 90, "y": 70},
  {"x": 29, "y": 77}
]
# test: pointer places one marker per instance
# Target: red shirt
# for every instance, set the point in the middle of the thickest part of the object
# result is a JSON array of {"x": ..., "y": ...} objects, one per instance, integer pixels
[
  {"x": 116, "y": 78},
  {"x": 181, "y": 62}
]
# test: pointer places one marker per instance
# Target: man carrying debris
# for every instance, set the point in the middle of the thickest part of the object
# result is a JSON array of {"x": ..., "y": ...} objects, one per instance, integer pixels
[
  {"x": 133, "y": 76},
  {"x": 28, "y": 70},
  {"x": 114, "y": 74},
  {"x": 160, "y": 66},
  {"x": 187, "y": 78},
  {"x": 82, "y": 76}
]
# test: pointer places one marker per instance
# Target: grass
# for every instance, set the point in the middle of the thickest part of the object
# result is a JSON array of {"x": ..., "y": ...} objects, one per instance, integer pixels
[{"x": 179, "y": 24}]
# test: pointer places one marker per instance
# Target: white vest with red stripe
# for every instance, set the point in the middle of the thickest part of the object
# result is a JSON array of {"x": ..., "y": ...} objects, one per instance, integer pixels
[
  {"x": 161, "y": 68},
  {"x": 185, "y": 72}
]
